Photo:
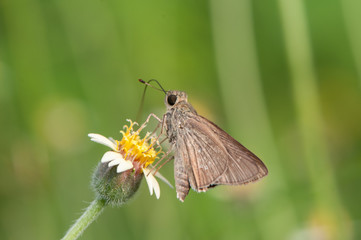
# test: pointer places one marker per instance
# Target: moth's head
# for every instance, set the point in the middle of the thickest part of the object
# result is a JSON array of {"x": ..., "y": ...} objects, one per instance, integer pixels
[{"x": 174, "y": 97}]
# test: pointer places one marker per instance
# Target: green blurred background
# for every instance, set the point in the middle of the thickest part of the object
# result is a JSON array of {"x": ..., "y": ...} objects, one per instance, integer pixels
[{"x": 282, "y": 77}]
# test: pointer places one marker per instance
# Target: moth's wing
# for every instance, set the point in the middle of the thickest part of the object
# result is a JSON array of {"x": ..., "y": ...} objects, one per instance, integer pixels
[
  {"x": 243, "y": 166},
  {"x": 217, "y": 158},
  {"x": 203, "y": 152}
]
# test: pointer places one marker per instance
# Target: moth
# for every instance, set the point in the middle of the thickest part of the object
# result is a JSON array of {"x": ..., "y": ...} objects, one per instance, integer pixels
[{"x": 204, "y": 155}]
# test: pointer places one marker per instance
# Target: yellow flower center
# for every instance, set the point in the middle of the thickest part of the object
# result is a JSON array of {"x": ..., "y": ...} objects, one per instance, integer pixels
[{"x": 137, "y": 149}]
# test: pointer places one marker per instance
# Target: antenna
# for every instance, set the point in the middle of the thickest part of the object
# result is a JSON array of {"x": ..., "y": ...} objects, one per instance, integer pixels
[
  {"x": 148, "y": 84},
  {"x": 143, "y": 96}
]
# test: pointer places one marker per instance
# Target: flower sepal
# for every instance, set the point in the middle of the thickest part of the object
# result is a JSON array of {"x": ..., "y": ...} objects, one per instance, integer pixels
[{"x": 113, "y": 187}]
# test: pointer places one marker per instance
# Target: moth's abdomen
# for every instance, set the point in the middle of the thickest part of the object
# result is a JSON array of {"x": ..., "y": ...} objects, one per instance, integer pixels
[
  {"x": 182, "y": 188},
  {"x": 181, "y": 179}
]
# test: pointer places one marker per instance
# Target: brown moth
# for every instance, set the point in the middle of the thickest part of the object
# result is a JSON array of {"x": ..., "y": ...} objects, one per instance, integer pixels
[{"x": 204, "y": 155}]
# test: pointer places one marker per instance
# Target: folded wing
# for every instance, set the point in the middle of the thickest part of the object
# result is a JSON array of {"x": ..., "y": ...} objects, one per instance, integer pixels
[{"x": 217, "y": 158}]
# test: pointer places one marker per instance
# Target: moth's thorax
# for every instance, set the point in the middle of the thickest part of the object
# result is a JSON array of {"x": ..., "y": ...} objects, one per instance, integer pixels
[
  {"x": 176, "y": 119},
  {"x": 178, "y": 113}
]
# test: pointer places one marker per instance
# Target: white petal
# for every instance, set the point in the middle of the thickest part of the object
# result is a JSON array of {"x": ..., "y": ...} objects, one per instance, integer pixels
[
  {"x": 152, "y": 183},
  {"x": 124, "y": 166},
  {"x": 161, "y": 177},
  {"x": 146, "y": 172},
  {"x": 115, "y": 162},
  {"x": 110, "y": 155},
  {"x": 156, "y": 186},
  {"x": 102, "y": 140}
]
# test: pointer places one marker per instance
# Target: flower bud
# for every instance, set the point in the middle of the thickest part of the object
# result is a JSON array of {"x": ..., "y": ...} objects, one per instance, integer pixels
[{"x": 115, "y": 188}]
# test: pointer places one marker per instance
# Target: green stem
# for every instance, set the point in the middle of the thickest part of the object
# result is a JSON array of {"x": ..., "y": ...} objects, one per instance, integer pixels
[{"x": 90, "y": 214}]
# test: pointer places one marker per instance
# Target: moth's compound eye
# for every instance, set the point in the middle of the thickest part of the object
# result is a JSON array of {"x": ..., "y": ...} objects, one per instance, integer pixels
[{"x": 172, "y": 99}]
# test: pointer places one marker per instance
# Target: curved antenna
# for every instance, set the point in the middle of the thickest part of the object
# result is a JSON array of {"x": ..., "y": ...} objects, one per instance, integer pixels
[
  {"x": 148, "y": 84},
  {"x": 143, "y": 96}
]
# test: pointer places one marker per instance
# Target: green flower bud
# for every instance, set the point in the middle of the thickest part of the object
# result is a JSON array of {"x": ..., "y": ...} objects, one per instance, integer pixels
[{"x": 115, "y": 188}]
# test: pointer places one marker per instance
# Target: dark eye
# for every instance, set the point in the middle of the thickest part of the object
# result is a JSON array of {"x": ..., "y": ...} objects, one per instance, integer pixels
[{"x": 172, "y": 99}]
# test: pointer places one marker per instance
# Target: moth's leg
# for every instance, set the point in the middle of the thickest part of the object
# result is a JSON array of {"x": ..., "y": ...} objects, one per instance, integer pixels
[
  {"x": 161, "y": 123},
  {"x": 161, "y": 130},
  {"x": 146, "y": 121},
  {"x": 164, "y": 156},
  {"x": 163, "y": 140},
  {"x": 166, "y": 161}
]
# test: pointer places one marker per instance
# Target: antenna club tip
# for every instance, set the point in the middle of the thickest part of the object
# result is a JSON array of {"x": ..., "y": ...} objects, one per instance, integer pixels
[{"x": 147, "y": 83}]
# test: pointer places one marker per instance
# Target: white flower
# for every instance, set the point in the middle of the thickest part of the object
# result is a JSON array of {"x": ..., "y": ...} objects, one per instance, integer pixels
[{"x": 129, "y": 154}]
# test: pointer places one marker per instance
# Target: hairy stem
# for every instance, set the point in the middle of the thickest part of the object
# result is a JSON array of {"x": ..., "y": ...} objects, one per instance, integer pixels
[{"x": 90, "y": 214}]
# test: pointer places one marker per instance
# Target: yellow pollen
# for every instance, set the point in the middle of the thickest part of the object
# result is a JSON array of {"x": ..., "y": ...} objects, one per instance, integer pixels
[{"x": 134, "y": 147}]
